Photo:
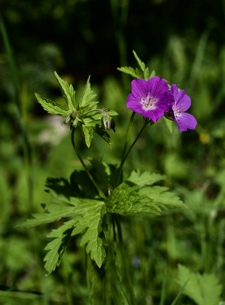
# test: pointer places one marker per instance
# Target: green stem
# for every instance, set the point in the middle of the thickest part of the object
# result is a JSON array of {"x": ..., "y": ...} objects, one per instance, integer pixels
[
  {"x": 124, "y": 276},
  {"x": 127, "y": 136},
  {"x": 101, "y": 194},
  {"x": 132, "y": 145},
  {"x": 125, "y": 146},
  {"x": 125, "y": 151}
]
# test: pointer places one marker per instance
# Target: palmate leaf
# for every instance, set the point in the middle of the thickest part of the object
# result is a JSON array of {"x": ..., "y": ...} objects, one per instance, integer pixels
[
  {"x": 126, "y": 201},
  {"x": 85, "y": 217},
  {"x": 203, "y": 289},
  {"x": 137, "y": 196},
  {"x": 51, "y": 107},
  {"x": 87, "y": 220}
]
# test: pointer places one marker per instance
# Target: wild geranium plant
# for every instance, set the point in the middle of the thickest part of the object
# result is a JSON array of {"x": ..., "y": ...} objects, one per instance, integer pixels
[{"x": 91, "y": 202}]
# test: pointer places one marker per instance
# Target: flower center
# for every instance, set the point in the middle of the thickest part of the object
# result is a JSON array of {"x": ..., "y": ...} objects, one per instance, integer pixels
[{"x": 148, "y": 102}]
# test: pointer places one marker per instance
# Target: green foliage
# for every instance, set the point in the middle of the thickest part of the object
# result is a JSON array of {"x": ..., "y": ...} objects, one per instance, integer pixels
[
  {"x": 68, "y": 93},
  {"x": 143, "y": 72},
  {"x": 203, "y": 289},
  {"x": 87, "y": 222},
  {"x": 87, "y": 216},
  {"x": 83, "y": 112},
  {"x": 51, "y": 107},
  {"x": 60, "y": 239},
  {"x": 137, "y": 196},
  {"x": 90, "y": 222}
]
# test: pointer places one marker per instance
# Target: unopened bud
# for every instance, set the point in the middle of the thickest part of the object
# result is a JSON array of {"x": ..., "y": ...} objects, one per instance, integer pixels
[{"x": 108, "y": 121}]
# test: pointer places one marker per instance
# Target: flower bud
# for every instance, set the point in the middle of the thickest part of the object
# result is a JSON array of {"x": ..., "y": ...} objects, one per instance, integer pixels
[{"x": 108, "y": 121}]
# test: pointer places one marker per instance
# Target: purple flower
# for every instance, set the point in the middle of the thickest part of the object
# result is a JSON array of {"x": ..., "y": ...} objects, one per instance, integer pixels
[
  {"x": 151, "y": 98},
  {"x": 181, "y": 103}
]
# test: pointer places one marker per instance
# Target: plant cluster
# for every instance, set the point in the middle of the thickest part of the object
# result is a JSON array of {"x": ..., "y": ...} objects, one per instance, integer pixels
[{"x": 92, "y": 202}]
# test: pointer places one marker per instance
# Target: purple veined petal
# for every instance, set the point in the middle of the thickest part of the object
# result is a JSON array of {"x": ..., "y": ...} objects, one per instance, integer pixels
[
  {"x": 138, "y": 88},
  {"x": 157, "y": 85},
  {"x": 185, "y": 121},
  {"x": 174, "y": 90},
  {"x": 132, "y": 104},
  {"x": 182, "y": 100},
  {"x": 153, "y": 115}
]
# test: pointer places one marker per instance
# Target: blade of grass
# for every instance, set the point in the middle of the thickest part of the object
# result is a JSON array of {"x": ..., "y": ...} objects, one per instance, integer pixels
[
  {"x": 16, "y": 85},
  {"x": 197, "y": 64},
  {"x": 163, "y": 292},
  {"x": 179, "y": 293}
]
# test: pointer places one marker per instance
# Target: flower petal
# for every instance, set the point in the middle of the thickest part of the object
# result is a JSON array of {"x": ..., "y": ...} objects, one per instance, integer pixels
[
  {"x": 150, "y": 98},
  {"x": 139, "y": 88},
  {"x": 182, "y": 100},
  {"x": 185, "y": 121},
  {"x": 157, "y": 85}
]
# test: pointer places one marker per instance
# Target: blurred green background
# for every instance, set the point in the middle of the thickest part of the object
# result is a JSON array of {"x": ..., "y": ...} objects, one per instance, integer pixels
[{"x": 184, "y": 42}]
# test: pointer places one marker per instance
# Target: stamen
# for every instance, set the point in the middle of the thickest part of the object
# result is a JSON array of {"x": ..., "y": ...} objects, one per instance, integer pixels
[{"x": 149, "y": 102}]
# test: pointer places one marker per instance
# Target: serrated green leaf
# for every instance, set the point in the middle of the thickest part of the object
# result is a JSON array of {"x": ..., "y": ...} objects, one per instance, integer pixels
[
  {"x": 145, "y": 71},
  {"x": 136, "y": 73},
  {"x": 203, "y": 289},
  {"x": 141, "y": 199},
  {"x": 50, "y": 106},
  {"x": 146, "y": 74},
  {"x": 89, "y": 111},
  {"x": 125, "y": 200},
  {"x": 90, "y": 222},
  {"x": 88, "y": 134},
  {"x": 87, "y": 216},
  {"x": 140, "y": 63},
  {"x": 111, "y": 112},
  {"x": 67, "y": 92},
  {"x": 145, "y": 178},
  {"x": 88, "y": 97},
  {"x": 162, "y": 197},
  {"x": 55, "y": 212},
  {"x": 57, "y": 246}
]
